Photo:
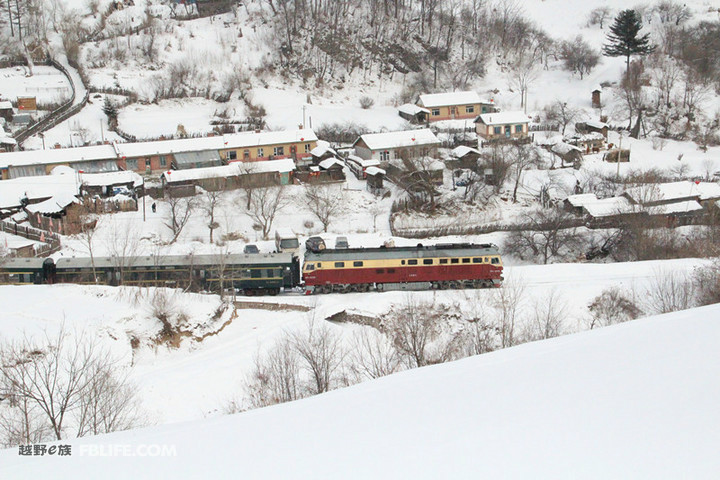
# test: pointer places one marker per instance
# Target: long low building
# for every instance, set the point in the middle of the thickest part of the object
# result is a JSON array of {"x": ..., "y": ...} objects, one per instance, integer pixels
[{"x": 160, "y": 155}]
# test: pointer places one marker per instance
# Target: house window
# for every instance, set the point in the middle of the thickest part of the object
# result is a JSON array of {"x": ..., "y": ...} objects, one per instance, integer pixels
[
  {"x": 435, "y": 112},
  {"x": 261, "y": 152},
  {"x": 497, "y": 130},
  {"x": 163, "y": 161},
  {"x": 307, "y": 148},
  {"x": 278, "y": 151},
  {"x": 384, "y": 156},
  {"x": 470, "y": 109},
  {"x": 246, "y": 154},
  {"x": 518, "y": 129},
  {"x": 232, "y": 155},
  {"x": 132, "y": 164}
]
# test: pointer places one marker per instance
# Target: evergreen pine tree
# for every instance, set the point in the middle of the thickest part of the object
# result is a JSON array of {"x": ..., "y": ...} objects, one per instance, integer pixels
[
  {"x": 624, "y": 40},
  {"x": 110, "y": 110}
]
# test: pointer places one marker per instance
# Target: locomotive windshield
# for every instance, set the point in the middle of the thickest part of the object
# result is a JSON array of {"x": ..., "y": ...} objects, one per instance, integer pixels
[{"x": 289, "y": 243}]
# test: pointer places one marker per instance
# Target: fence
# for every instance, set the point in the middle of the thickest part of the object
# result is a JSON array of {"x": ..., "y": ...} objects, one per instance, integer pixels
[
  {"x": 51, "y": 240},
  {"x": 65, "y": 111}
]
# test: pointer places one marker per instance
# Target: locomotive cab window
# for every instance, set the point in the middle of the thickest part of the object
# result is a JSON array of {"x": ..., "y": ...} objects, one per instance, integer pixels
[
  {"x": 427, "y": 261},
  {"x": 412, "y": 262},
  {"x": 339, "y": 264},
  {"x": 357, "y": 264},
  {"x": 495, "y": 260},
  {"x": 309, "y": 266}
]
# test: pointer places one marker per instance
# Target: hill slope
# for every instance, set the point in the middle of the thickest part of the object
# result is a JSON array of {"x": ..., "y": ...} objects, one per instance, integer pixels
[{"x": 637, "y": 400}]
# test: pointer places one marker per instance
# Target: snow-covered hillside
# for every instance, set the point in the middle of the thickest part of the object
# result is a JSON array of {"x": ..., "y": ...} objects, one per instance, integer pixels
[{"x": 637, "y": 400}]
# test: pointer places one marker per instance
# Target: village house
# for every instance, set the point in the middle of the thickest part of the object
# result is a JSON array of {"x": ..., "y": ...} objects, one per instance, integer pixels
[
  {"x": 18, "y": 192},
  {"x": 6, "y": 110},
  {"x": 7, "y": 143},
  {"x": 256, "y": 146},
  {"x": 109, "y": 184},
  {"x": 389, "y": 145},
  {"x": 30, "y": 163},
  {"x": 453, "y": 105},
  {"x": 703, "y": 193},
  {"x": 59, "y": 214},
  {"x": 501, "y": 126}
]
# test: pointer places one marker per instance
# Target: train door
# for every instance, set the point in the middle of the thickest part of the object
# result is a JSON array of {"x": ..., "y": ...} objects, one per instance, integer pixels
[{"x": 48, "y": 273}]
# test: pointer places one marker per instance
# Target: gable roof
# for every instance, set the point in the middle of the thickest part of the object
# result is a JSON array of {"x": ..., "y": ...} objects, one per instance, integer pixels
[
  {"x": 56, "y": 204},
  {"x": 502, "y": 118},
  {"x": 430, "y": 100},
  {"x": 404, "y": 138}
]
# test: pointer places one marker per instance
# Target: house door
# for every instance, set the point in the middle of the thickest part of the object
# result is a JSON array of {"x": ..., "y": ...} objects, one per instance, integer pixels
[
  {"x": 507, "y": 130},
  {"x": 452, "y": 112}
]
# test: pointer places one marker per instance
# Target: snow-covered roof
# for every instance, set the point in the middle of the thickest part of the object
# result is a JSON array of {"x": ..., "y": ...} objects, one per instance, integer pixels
[
  {"x": 233, "y": 170},
  {"x": 502, "y": 118},
  {"x": 14, "y": 242},
  {"x": 462, "y": 150},
  {"x": 608, "y": 207},
  {"x": 562, "y": 148},
  {"x": 371, "y": 162},
  {"x": 329, "y": 162},
  {"x": 11, "y": 191},
  {"x": 674, "y": 190},
  {"x": 5, "y": 104},
  {"x": 322, "y": 148},
  {"x": 677, "y": 207},
  {"x": 581, "y": 199},
  {"x": 596, "y": 124},
  {"x": 57, "y": 155},
  {"x": 251, "y": 139},
  {"x": 412, "y": 109},
  {"x": 375, "y": 171},
  {"x": 404, "y": 138},
  {"x": 430, "y": 100},
  {"x": 56, "y": 204},
  {"x": 111, "y": 178}
]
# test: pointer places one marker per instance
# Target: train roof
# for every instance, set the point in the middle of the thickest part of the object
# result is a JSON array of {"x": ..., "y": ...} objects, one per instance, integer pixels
[
  {"x": 181, "y": 260},
  {"x": 419, "y": 251},
  {"x": 22, "y": 264}
]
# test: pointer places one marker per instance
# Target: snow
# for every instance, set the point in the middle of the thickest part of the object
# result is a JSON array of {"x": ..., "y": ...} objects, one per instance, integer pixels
[
  {"x": 502, "y": 118},
  {"x": 375, "y": 171},
  {"x": 329, "y": 162},
  {"x": 633, "y": 400},
  {"x": 46, "y": 83},
  {"x": 462, "y": 150},
  {"x": 283, "y": 165},
  {"x": 450, "y": 98},
  {"x": 111, "y": 178},
  {"x": 405, "y": 138},
  {"x": 412, "y": 109},
  {"x": 57, "y": 155},
  {"x": 582, "y": 199},
  {"x": 677, "y": 207}
]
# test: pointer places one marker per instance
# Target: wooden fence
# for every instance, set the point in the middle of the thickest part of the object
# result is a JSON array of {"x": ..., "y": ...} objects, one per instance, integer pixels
[{"x": 51, "y": 240}]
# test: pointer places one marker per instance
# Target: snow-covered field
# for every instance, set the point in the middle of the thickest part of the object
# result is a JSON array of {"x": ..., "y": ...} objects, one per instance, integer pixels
[{"x": 636, "y": 400}]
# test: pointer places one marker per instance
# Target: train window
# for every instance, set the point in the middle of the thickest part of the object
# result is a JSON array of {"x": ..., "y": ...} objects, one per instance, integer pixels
[
  {"x": 391, "y": 270},
  {"x": 339, "y": 264},
  {"x": 454, "y": 260},
  {"x": 443, "y": 261},
  {"x": 412, "y": 262},
  {"x": 319, "y": 265},
  {"x": 309, "y": 266},
  {"x": 477, "y": 260},
  {"x": 256, "y": 273},
  {"x": 402, "y": 262},
  {"x": 357, "y": 264},
  {"x": 428, "y": 261},
  {"x": 380, "y": 270},
  {"x": 495, "y": 260},
  {"x": 466, "y": 260}
]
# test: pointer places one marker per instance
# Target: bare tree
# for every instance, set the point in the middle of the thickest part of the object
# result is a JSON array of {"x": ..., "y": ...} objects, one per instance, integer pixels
[
  {"x": 213, "y": 200},
  {"x": 122, "y": 244},
  {"x": 321, "y": 353},
  {"x": 546, "y": 235},
  {"x": 522, "y": 157},
  {"x": 60, "y": 377},
  {"x": 275, "y": 377},
  {"x": 89, "y": 224},
  {"x": 562, "y": 113},
  {"x": 669, "y": 291},
  {"x": 324, "y": 201},
  {"x": 523, "y": 72},
  {"x": 578, "y": 56},
  {"x": 497, "y": 160},
  {"x": 599, "y": 15},
  {"x": 265, "y": 204},
  {"x": 612, "y": 306},
  {"x": 178, "y": 215},
  {"x": 508, "y": 302},
  {"x": 547, "y": 317},
  {"x": 373, "y": 355},
  {"x": 21, "y": 421}
]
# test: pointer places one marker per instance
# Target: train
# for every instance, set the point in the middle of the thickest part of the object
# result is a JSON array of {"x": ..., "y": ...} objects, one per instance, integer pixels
[{"x": 441, "y": 266}]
